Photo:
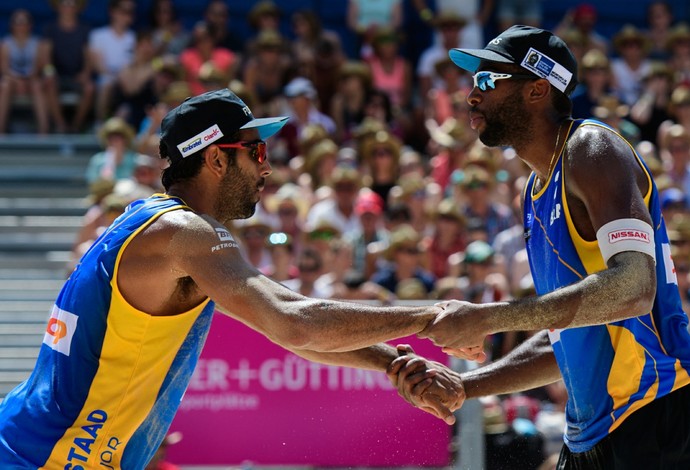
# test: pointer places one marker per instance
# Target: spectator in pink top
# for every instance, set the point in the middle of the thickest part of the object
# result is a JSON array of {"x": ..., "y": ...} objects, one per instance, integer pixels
[{"x": 203, "y": 50}]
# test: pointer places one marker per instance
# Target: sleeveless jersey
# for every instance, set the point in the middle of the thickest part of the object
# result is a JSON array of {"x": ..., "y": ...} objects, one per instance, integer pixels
[
  {"x": 109, "y": 378},
  {"x": 609, "y": 370}
]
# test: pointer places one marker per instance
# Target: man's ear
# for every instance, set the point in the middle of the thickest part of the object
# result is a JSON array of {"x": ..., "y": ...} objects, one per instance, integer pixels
[
  {"x": 539, "y": 90},
  {"x": 215, "y": 160}
]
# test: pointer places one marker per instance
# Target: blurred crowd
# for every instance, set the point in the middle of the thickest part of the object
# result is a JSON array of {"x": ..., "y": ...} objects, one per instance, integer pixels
[{"x": 380, "y": 191}]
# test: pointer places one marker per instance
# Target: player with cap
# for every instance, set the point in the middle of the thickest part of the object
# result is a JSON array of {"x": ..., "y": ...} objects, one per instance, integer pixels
[
  {"x": 608, "y": 306},
  {"x": 127, "y": 328}
]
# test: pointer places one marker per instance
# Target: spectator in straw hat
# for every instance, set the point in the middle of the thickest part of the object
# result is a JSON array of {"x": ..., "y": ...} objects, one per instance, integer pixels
[
  {"x": 117, "y": 159},
  {"x": 453, "y": 82},
  {"x": 679, "y": 48},
  {"x": 348, "y": 103},
  {"x": 450, "y": 144},
  {"x": 404, "y": 261},
  {"x": 448, "y": 237},
  {"x": 339, "y": 210},
  {"x": 449, "y": 25},
  {"x": 254, "y": 233},
  {"x": 289, "y": 206},
  {"x": 283, "y": 252},
  {"x": 414, "y": 193},
  {"x": 320, "y": 161},
  {"x": 476, "y": 186},
  {"x": 595, "y": 81},
  {"x": 651, "y": 110},
  {"x": 659, "y": 23},
  {"x": 674, "y": 150},
  {"x": 632, "y": 63},
  {"x": 203, "y": 49},
  {"x": 380, "y": 158},
  {"x": 266, "y": 71}
]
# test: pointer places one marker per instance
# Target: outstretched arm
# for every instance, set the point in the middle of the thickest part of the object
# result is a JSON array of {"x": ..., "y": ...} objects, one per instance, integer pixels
[
  {"x": 284, "y": 316},
  {"x": 530, "y": 365},
  {"x": 605, "y": 187},
  {"x": 438, "y": 395}
]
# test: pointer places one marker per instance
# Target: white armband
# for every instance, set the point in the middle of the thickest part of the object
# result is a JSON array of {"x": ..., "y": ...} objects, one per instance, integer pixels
[{"x": 626, "y": 235}]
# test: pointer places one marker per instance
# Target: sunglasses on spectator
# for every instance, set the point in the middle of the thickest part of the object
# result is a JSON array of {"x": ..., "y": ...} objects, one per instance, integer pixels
[
  {"x": 321, "y": 235},
  {"x": 410, "y": 250},
  {"x": 308, "y": 269},
  {"x": 258, "y": 148},
  {"x": 484, "y": 80}
]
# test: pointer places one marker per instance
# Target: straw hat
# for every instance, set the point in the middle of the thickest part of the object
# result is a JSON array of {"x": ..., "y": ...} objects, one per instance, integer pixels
[
  {"x": 679, "y": 33},
  {"x": 630, "y": 33},
  {"x": 357, "y": 69},
  {"x": 595, "y": 59},
  {"x": 610, "y": 106},
  {"x": 176, "y": 93},
  {"x": 288, "y": 194},
  {"x": 116, "y": 125},
  {"x": 452, "y": 133},
  {"x": 448, "y": 18},
  {"x": 403, "y": 235},
  {"x": 269, "y": 40},
  {"x": 263, "y": 8},
  {"x": 448, "y": 209},
  {"x": 381, "y": 139}
]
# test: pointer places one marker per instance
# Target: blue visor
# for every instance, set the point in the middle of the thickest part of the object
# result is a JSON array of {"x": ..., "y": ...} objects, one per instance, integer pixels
[{"x": 266, "y": 126}]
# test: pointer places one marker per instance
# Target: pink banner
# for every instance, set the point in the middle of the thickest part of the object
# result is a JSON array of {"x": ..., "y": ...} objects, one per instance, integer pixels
[{"x": 252, "y": 401}]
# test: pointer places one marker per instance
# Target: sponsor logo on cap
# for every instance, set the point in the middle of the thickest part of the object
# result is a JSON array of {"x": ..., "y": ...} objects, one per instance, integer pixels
[
  {"x": 246, "y": 111},
  {"x": 60, "y": 330},
  {"x": 547, "y": 68},
  {"x": 200, "y": 141}
]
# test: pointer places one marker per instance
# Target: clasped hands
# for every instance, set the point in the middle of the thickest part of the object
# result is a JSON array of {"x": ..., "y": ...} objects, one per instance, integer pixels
[{"x": 429, "y": 385}]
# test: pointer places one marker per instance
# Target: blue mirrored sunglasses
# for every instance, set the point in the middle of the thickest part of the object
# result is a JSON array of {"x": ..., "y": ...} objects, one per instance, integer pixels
[{"x": 484, "y": 80}]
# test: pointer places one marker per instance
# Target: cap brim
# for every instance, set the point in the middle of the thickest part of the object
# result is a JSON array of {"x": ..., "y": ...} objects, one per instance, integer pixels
[
  {"x": 266, "y": 126},
  {"x": 469, "y": 59}
]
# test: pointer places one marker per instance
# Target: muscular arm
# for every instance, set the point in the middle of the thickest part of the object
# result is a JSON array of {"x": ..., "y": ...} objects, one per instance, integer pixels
[
  {"x": 604, "y": 183},
  {"x": 284, "y": 316},
  {"x": 530, "y": 365}
]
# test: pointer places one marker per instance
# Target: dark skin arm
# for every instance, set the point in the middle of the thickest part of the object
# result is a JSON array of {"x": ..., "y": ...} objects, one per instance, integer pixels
[
  {"x": 625, "y": 289},
  {"x": 530, "y": 365}
]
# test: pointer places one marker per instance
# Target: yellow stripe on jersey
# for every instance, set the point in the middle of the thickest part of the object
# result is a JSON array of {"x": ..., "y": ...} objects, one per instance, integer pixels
[{"x": 138, "y": 350}]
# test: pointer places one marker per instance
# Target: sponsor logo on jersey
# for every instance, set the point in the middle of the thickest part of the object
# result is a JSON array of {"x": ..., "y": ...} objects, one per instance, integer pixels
[
  {"x": 629, "y": 235},
  {"x": 60, "y": 330},
  {"x": 200, "y": 141},
  {"x": 669, "y": 267},
  {"x": 224, "y": 235}
]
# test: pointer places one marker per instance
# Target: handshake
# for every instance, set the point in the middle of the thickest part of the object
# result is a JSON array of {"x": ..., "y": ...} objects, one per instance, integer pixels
[{"x": 429, "y": 385}]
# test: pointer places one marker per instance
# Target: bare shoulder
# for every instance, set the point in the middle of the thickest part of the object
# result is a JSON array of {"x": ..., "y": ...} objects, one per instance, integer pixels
[
  {"x": 184, "y": 234},
  {"x": 597, "y": 156},
  {"x": 160, "y": 268}
]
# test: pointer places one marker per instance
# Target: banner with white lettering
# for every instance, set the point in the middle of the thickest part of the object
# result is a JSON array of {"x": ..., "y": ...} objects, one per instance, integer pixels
[{"x": 252, "y": 401}]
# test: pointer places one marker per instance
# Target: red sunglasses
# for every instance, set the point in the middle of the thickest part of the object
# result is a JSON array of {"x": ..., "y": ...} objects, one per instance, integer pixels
[{"x": 258, "y": 148}]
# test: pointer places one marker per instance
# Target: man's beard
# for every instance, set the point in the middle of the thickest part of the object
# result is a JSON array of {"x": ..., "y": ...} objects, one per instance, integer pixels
[
  {"x": 236, "y": 196},
  {"x": 507, "y": 123}
]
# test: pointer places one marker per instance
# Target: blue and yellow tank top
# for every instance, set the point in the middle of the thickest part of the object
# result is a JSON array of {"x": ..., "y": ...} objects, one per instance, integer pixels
[
  {"x": 109, "y": 378},
  {"x": 614, "y": 369}
]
